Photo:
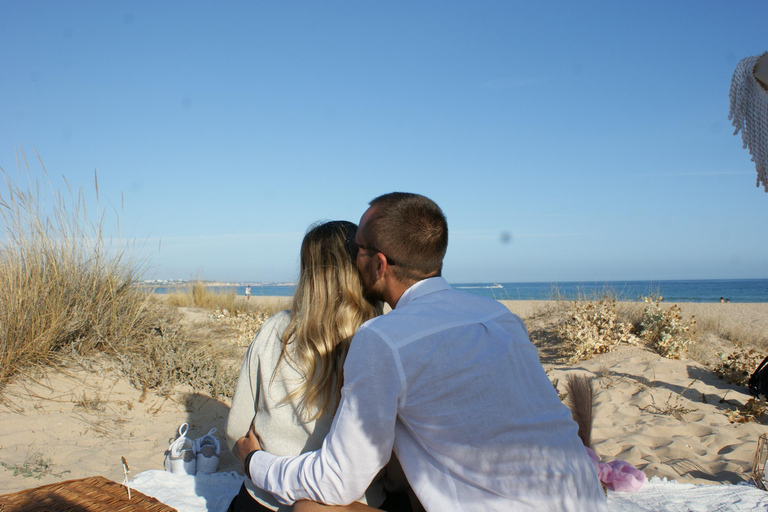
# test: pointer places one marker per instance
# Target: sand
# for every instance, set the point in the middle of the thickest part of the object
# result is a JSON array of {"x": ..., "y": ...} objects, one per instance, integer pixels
[{"x": 667, "y": 417}]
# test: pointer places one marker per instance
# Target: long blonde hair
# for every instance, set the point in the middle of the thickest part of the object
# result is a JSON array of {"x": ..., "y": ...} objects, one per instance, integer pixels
[{"x": 328, "y": 307}]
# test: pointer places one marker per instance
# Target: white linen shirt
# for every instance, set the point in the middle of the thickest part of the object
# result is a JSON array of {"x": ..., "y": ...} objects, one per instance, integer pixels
[{"x": 452, "y": 383}]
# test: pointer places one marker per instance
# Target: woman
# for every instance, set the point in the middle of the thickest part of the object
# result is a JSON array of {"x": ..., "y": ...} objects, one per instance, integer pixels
[{"x": 290, "y": 381}]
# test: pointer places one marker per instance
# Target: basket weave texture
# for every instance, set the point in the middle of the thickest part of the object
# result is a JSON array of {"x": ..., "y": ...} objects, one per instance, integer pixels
[{"x": 94, "y": 494}]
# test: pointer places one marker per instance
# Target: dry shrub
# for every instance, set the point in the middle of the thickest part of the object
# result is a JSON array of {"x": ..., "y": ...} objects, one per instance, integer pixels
[
  {"x": 738, "y": 366},
  {"x": 753, "y": 410},
  {"x": 670, "y": 407},
  {"x": 166, "y": 358},
  {"x": 246, "y": 325},
  {"x": 664, "y": 328},
  {"x": 631, "y": 313},
  {"x": 593, "y": 328}
]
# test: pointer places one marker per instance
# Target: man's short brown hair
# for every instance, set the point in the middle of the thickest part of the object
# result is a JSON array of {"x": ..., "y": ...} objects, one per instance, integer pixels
[{"x": 411, "y": 230}]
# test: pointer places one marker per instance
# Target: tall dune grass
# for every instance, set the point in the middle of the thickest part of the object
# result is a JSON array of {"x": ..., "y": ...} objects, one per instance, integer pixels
[
  {"x": 67, "y": 289},
  {"x": 64, "y": 286},
  {"x": 198, "y": 295}
]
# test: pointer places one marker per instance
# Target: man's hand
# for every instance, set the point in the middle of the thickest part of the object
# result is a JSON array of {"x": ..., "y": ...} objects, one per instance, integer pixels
[{"x": 246, "y": 445}]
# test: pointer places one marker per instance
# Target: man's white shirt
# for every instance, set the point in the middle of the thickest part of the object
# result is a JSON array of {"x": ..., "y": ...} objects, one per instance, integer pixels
[{"x": 451, "y": 382}]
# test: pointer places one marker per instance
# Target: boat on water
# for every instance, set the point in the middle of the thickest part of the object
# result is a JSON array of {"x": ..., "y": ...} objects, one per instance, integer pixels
[{"x": 496, "y": 285}]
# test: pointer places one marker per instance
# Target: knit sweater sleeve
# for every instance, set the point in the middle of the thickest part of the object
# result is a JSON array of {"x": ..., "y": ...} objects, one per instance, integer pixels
[{"x": 244, "y": 403}]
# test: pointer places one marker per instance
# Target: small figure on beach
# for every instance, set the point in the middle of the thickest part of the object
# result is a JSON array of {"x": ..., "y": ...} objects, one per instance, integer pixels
[
  {"x": 722, "y": 300},
  {"x": 247, "y": 292},
  {"x": 447, "y": 380}
]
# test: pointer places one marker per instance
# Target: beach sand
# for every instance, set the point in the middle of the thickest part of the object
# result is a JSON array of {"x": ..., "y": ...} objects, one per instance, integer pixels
[{"x": 667, "y": 417}]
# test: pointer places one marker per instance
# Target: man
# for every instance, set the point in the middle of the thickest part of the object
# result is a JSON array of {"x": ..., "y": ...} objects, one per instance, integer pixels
[{"x": 447, "y": 380}]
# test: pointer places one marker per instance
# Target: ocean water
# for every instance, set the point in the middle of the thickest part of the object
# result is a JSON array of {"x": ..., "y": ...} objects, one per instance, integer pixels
[{"x": 699, "y": 290}]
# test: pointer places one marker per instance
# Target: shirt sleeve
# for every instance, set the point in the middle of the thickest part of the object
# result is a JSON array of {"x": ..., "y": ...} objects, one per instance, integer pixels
[{"x": 360, "y": 441}]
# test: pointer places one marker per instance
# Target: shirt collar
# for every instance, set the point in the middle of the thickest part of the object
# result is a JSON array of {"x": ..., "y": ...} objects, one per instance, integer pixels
[{"x": 421, "y": 288}]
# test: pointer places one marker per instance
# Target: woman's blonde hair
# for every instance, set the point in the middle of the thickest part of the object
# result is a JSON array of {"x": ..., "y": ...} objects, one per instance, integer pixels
[{"x": 328, "y": 307}]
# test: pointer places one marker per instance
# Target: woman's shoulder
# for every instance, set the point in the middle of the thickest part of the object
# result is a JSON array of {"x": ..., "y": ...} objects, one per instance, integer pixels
[
  {"x": 273, "y": 326},
  {"x": 279, "y": 319}
]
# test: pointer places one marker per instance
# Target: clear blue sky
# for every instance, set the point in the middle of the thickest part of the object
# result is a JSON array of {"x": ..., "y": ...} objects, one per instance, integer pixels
[{"x": 595, "y": 134}]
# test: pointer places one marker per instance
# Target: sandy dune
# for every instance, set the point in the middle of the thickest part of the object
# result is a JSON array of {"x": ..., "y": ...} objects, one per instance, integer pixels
[{"x": 667, "y": 417}]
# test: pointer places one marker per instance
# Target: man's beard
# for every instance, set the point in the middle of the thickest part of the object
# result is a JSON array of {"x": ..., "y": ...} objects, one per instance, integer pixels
[
  {"x": 374, "y": 296},
  {"x": 369, "y": 288}
]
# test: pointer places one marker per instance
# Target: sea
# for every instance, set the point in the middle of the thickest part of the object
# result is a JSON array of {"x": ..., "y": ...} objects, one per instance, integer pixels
[{"x": 697, "y": 290}]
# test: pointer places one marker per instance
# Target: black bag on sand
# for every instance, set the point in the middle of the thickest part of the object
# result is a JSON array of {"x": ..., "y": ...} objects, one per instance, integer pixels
[{"x": 758, "y": 382}]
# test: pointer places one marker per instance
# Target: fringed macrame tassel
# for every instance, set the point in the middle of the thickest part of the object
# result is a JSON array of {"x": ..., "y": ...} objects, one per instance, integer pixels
[
  {"x": 581, "y": 401},
  {"x": 749, "y": 114}
]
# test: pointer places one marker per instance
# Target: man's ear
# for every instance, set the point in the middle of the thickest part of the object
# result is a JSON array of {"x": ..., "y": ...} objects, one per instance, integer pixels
[{"x": 381, "y": 265}]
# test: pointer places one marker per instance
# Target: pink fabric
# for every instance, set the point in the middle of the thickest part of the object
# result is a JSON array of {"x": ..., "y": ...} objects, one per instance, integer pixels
[{"x": 620, "y": 475}]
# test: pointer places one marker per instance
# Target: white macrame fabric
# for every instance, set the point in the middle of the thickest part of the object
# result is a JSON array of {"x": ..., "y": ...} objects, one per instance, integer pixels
[{"x": 749, "y": 114}]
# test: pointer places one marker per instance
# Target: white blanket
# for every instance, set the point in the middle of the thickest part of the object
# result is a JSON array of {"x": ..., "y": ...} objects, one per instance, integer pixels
[
  {"x": 663, "y": 495},
  {"x": 202, "y": 493},
  {"x": 214, "y": 492}
]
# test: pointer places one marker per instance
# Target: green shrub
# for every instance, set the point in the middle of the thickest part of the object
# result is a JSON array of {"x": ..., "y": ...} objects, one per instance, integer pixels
[
  {"x": 664, "y": 328},
  {"x": 738, "y": 366},
  {"x": 593, "y": 327},
  {"x": 166, "y": 358}
]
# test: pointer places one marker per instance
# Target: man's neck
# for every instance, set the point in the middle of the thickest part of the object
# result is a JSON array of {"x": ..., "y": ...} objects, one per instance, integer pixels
[
  {"x": 394, "y": 291},
  {"x": 397, "y": 288}
]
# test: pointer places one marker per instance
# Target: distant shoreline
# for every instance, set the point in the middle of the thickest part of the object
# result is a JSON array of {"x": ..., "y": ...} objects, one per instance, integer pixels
[
  {"x": 181, "y": 284},
  {"x": 694, "y": 291}
]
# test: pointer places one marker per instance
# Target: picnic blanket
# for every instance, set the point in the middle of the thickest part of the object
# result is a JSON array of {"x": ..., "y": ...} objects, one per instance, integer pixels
[{"x": 213, "y": 493}]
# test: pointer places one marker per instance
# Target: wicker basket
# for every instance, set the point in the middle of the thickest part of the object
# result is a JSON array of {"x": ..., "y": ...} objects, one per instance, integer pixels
[{"x": 94, "y": 494}]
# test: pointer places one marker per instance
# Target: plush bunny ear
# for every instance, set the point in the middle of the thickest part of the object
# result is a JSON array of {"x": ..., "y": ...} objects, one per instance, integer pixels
[
  {"x": 581, "y": 401},
  {"x": 749, "y": 111},
  {"x": 761, "y": 70},
  {"x": 758, "y": 381}
]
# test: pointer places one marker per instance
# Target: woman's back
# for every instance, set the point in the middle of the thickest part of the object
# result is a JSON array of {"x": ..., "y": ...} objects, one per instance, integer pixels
[{"x": 264, "y": 383}]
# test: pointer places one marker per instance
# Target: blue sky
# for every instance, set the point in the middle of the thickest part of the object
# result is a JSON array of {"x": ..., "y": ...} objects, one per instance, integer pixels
[{"x": 594, "y": 134}]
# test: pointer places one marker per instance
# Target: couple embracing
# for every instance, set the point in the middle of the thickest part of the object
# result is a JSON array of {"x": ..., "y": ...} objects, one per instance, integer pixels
[{"x": 331, "y": 394}]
